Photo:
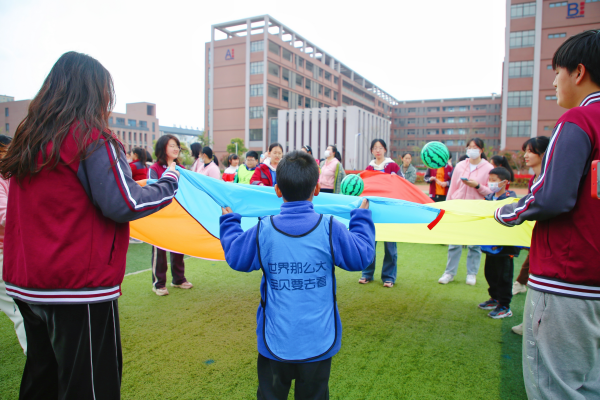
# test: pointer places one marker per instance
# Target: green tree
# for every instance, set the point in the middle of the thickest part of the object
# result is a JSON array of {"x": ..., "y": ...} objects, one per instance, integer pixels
[
  {"x": 185, "y": 155},
  {"x": 204, "y": 140},
  {"x": 231, "y": 148}
]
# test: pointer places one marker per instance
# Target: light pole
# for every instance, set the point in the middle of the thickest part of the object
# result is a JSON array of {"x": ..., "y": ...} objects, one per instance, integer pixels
[{"x": 356, "y": 150}]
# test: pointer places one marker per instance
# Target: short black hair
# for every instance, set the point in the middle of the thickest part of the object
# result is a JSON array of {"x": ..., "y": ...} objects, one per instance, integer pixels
[
  {"x": 380, "y": 141},
  {"x": 297, "y": 175},
  {"x": 501, "y": 173},
  {"x": 501, "y": 161},
  {"x": 252, "y": 153},
  {"x": 583, "y": 48},
  {"x": 537, "y": 145},
  {"x": 273, "y": 145}
]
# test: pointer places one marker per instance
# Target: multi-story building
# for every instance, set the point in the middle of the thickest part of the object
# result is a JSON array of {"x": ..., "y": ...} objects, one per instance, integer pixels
[
  {"x": 534, "y": 30},
  {"x": 261, "y": 66},
  {"x": 138, "y": 127},
  {"x": 450, "y": 121},
  {"x": 11, "y": 114}
]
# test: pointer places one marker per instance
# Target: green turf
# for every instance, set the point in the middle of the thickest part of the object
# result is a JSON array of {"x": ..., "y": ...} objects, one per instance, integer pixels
[{"x": 418, "y": 340}]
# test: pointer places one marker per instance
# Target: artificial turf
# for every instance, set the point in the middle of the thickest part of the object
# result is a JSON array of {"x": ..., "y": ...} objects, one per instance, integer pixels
[{"x": 418, "y": 340}]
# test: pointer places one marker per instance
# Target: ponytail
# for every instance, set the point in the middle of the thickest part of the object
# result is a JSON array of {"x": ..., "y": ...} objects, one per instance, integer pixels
[{"x": 207, "y": 151}]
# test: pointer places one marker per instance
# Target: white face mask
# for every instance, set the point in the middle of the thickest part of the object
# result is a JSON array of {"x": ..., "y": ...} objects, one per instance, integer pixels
[
  {"x": 495, "y": 186},
  {"x": 327, "y": 153},
  {"x": 473, "y": 153}
]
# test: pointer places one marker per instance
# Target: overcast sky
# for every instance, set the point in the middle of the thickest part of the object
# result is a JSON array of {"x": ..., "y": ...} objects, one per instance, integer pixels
[{"x": 154, "y": 49}]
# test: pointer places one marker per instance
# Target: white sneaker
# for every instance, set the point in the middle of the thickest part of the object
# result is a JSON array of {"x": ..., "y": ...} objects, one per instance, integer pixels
[
  {"x": 471, "y": 280},
  {"x": 160, "y": 291},
  {"x": 445, "y": 279},
  {"x": 518, "y": 329},
  {"x": 518, "y": 288}
]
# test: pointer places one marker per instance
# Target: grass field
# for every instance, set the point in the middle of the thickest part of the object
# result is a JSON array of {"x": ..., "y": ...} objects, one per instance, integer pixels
[{"x": 418, "y": 340}]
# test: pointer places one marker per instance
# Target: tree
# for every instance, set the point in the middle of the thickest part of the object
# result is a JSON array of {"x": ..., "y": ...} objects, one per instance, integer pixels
[
  {"x": 204, "y": 140},
  {"x": 185, "y": 155},
  {"x": 231, "y": 148}
]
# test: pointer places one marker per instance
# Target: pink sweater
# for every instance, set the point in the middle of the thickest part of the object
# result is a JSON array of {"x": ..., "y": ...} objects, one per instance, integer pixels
[
  {"x": 459, "y": 191},
  {"x": 210, "y": 170},
  {"x": 3, "y": 203}
]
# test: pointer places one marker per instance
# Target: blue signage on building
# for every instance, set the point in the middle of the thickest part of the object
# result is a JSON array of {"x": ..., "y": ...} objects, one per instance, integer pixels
[{"x": 575, "y": 10}]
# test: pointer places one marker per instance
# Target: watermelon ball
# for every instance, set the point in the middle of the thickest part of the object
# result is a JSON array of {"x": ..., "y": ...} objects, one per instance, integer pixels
[
  {"x": 352, "y": 185},
  {"x": 435, "y": 155}
]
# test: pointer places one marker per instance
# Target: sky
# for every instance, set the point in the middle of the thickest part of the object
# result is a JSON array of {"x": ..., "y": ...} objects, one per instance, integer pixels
[{"x": 154, "y": 50}]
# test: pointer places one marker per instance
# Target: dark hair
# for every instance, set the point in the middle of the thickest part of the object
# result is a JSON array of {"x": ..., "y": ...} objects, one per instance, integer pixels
[
  {"x": 537, "y": 145},
  {"x": 207, "y": 151},
  {"x": 462, "y": 158},
  {"x": 308, "y": 149},
  {"x": 479, "y": 143},
  {"x": 297, "y": 175},
  {"x": 196, "y": 149},
  {"x": 5, "y": 141},
  {"x": 141, "y": 153},
  {"x": 252, "y": 153},
  {"x": 77, "y": 94},
  {"x": 148, "y": 156},
  {"x": 232, "y": 157},
  {"x": 380, "y": 141},
  {"x": 405, "y": 154},
  {"x": 502, "y": 173},
  {"x": 161, "y": 149},
  {"x": 336, "y": 153},
  {"x": 501, "y": 161},
  {"x": 583, "y": 48},
  {"x": 273, "y": 145}
]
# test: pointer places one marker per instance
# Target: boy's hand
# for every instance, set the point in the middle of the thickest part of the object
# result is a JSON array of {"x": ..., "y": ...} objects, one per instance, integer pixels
[
  {"x": 172, "y": 168},
  {"x": 365, "y": 204},
  {"x": 226, "y": 210}
]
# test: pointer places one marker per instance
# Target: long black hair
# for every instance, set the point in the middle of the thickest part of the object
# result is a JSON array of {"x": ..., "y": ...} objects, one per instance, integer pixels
[
  {"x": 231, "y": 158},
  {"x": 77, "y": 94},
  {"x": 479, "y": 143},
  {"x": 196, "y": 150},
  {"x": 207, "y": 151},
  {"x": 501, "y": 161},
  {"x": 336, "y": 153},
  {"x": 537, "y": 145},
  {"x": 381, "y": 142},
  {"x": 141, "y": 153},
  {"x": 161, "y": 149}
]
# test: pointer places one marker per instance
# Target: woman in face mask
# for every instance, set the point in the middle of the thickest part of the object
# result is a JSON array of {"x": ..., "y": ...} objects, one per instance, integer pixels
[
  {"x": 469, "y": 182},
  {"x": 332, "y": 171}
]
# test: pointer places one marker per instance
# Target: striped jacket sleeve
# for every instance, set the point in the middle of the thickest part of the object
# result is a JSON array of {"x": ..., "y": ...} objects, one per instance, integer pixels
[
  {"x": 564, "y": 165},
  {"x": 106, "y": 178}
]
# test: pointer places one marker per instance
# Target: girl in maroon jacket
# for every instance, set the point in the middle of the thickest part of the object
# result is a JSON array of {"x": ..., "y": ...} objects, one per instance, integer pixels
[
  {"x": 266, "y": 173},
  {"x": 67, "y": 232},
  {"x": 139, "y": 169}
]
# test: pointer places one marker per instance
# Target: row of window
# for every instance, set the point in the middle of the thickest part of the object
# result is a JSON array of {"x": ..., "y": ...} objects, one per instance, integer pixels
[
  {"x": 518, "y": 128},
  {"x": 445, "y": 109},
  {"x": 132, "y": 123},
  {"x": 556, "y": 35},
  {"x": 522, "y": 10},
  {"x": 273, "y": 91},
  {"x": 6, "y": 111},
  {"x": 125, "y": 137},
  {"x": 522, "y": 39},
  {"x": 520, "y": 69}
]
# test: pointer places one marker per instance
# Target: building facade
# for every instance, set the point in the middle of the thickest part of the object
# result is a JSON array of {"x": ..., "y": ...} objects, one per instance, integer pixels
[
  {"x": 534, "y": 30},
  {"x": 450, "y": 121},
  {"x": 11, "y": 114},
  {"x": 138, "y": 127},
  {"x": 259, "y": 67}
]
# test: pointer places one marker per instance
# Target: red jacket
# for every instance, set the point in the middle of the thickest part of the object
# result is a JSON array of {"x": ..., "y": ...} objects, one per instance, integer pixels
[
  {"x": 139, "y": 170},
  {"x": 389, "y": 168},
  {"x": 67, "y": 228},
  {"x": 432, "y": 173},
  {"x": 565, "y": 246},
  {"x": 262, "y": 176}
]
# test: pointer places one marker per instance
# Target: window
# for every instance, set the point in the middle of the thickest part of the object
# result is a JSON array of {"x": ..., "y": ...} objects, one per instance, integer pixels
[
  {"x": 299, "y": 61},
  {"x": 273, "y": 48},
  {"x": 153, "y": 127},
  {"x": 546, "y": 128},
  {"x": 285, "y": 74},
  {"x": 556, "y": 35},
  {"x": 463, "y": 131},
  {"x": 256, "y": 90},
  {"x": 327, "y": 92},
  {"x": 479, "y": 108},
  {"x": 447, "y": 131},
  {"x": 285, "y": 95},
  {"x": 522, "y": 10},
  {"x": 320, "y": 89},
  {"x": 273, "y": 69},
  {"x": 449, "y": 142},
  {"x": 518, "y": 128},
  {"x": 256, "y": 112},
  {"x": 7, "y": 127},
  {"x": 463, "y": 119},
  {"x": 432, "y": 131},
  {"x": 143, "y": 124},
  {"x": 6, "y": 114},
  {"x": 153, "y": 137},
  {"x": 449, "y": 109},
  {"x": 134, "y": 137},
  {"x": 307, "y": 82},
  {"x": 120, "y": 121},
  {"x": 309, "y": 66},
  {"x": 411, "y": 132},
  {"x": 256, "y": 135},
  {"x": 110, "y": 119},
  {"x": 464, "y": 108},
  {"x": 433, "y": 109},
  {"x": 449, "y": 120},
  {"x": 273, "y": 91},
  {"x": 287, "y": 55},
  {"x": 550, "y": 97},
  {"x": 559, "y": 4},
  {"x": 328, "y": 75},
  {"x": 131, "y": 122},
  {"x": 335, "y": 96},
  {"x": 300, "y": 101},
  {"x": 257, "y": 67},
  {"x": 549, "y": 66},
  {"x": 519, "y": 99},
  {"x": 522, "y": 39},
  {"x": 149, "y": 110},
  {"x": 272, "y": 112},
  {"x": 410, "y": 121},
  {"x": 412, "y": 110},
  {"x": 130, "y": 136},
  {"x": 257, "y": 46},
  {"x": 299, "y": 80},
  {"x": 520, "y": 69},
  {"x": 335, "y": 79}
]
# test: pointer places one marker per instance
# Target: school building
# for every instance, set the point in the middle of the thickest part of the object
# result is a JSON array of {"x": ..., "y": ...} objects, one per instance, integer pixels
[
  {"x": 11, "y": 114},
  {"x": 534, "y": 30}
]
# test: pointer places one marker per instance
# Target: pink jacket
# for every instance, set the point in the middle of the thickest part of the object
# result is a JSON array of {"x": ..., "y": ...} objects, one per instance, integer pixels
[
  {"x": 481, "y": 174},
  {"x": 210, "y": 170},
  {"x": 3, "y": 203}
]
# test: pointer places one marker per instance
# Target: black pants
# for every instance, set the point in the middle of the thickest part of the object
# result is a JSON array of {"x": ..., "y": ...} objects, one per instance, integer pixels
[
  {"x": 439, "y": 197},
  {"x": 275, "y": 379},
  {"x": 499, "y": 272},
  {"x": 323, "y": 190},
  {"x": 159, "y": 268},
  {"x": 73, "y": 351}
]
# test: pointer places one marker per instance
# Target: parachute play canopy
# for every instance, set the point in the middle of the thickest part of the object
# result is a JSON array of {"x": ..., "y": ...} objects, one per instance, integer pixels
[{"x": 190, "y": 225}]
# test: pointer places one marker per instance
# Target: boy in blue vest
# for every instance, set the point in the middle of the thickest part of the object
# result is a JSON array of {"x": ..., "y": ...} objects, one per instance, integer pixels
[
  {"x": 499, "y": 260},
  {"x": 298, "y": 324}
]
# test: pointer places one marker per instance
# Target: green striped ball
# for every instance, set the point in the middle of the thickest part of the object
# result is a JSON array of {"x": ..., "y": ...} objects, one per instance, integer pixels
[
  {"x": 352, "y": 185},
  {"x": 435, "y": 155}
]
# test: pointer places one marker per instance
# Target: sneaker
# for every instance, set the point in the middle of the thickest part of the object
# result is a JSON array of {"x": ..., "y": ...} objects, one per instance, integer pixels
[
  {"x": 471, "y": 280},
  {"x": 489, "y": 305},
  {"x": 500, "y": 312},
  {"x": 184, "y": 285},
  {"x": 445, "y": 279},
  {"x": 160, "y": 291},
  {"x": 518, "y": 329},
  {"x": 518, "y": 288}
]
